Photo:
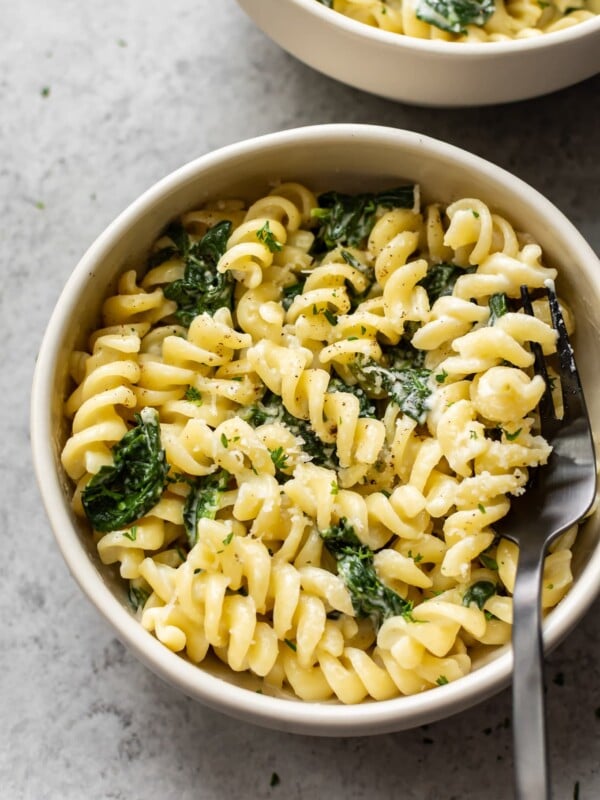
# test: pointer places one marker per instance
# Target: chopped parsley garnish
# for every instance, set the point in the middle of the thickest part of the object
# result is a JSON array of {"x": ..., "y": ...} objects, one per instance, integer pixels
[
  {"x": 119, "y": 494},
  {"x": 193, "y": 395},
  {"x": 442, "y": 680},
  {"x": 279, "y": 457},
  {"x": 202, "y": 288},
  {"x": 329, "y": 316},
  {"x": 228, "y": 539},
  {"x": 290, "y": 644},
  {"x": 131, "y": 534},
  {"x": 511, "y": 436},
  {"x": 441, "y": 376},
  {"x": 370, "y": 597},
  {"x": 266, "y": 236}
]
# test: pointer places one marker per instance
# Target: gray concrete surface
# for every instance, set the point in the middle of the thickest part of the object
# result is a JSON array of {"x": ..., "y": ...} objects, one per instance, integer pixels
[{"x": 98, "y": 100}]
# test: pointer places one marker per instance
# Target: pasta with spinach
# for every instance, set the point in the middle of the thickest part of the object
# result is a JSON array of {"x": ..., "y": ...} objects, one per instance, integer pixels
[
  {"x": 294, "y": 431},
  {"x": 468, "y": 20}
]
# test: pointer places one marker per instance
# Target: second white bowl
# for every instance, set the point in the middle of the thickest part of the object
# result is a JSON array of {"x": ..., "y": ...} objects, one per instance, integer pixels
[{"x": 423, "y": 71}]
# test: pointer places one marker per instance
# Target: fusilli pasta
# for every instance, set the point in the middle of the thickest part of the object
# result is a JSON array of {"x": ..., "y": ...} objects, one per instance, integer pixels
[{"x": 294, "y": 434}]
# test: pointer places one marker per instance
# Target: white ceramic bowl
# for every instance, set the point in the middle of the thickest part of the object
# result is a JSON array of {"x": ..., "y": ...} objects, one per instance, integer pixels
[
  {"x": 428, "y": 72},
  {"x": 344, "y": 157}
]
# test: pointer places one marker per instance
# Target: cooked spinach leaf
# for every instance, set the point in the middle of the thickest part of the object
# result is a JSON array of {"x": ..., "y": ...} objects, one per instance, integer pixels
[
  {"x": 454, "y": 15},
  {"x": 179, "y": 247},
  {"x": 403, "y": 354},
  {"x": 488, "y": 562},
  {"x": 137, "y": 596},
  {"x": 202, "y": 288},
  {"x": 405, "y": 385},
  {"x": 290, "y": 292},
  {"x": 119, "y": 494},
  {"x": 478, "y": 593},
  {"x": 356, "y": 298},
  {"x": 440, "y": 279},
  {"x": 370, "y": 597},
  {"x": 271, "y": 409},
  {"x": 347, "y": 220},
  {"x": 203, "y": 501}
]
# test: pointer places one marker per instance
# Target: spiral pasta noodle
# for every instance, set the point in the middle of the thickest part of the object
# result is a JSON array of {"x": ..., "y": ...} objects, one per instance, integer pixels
[{"x": 294, "y": 434}]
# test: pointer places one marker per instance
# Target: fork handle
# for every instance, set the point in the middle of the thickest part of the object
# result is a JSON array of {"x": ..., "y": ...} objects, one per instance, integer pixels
[{"x": 529, "y": 722}]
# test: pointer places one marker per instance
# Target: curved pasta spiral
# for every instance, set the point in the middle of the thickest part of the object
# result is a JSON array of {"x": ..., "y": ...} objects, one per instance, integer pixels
[{"x": 106, "y": 380}]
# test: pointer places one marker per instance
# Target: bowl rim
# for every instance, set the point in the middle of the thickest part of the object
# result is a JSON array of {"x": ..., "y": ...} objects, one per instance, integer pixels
[
  {"x": 470, "y": 50},
  {"x": 275, "y": 712}
]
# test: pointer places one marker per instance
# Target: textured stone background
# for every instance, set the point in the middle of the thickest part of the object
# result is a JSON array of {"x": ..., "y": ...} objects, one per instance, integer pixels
[{"x": 98, "y": 100}]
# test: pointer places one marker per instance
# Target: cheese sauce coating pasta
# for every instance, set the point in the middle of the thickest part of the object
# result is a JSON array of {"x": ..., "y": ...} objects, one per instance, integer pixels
[
  {"x": 470, "y": 21},
  {"x": 294, "y": 432}
]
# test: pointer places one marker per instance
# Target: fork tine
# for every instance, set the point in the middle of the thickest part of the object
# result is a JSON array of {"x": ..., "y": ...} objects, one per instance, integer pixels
[
  {"x": 546, "y": 404},
  {"x": 572, "y": 392}
]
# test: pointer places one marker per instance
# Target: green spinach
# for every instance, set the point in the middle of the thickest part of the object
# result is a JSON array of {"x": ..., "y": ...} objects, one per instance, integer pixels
[
  {"x": 370, "y": 597},
  {"x": 454, "y": 15},
  {"x": 119, "y": 494},
  {"x": 347, "y": 220},
  {"x": 290, "y": 292},
  {"x": 271, "y": 409},
  {"x": 405, "y": 385},
  {"x": 202, "y": 288},
  {"x": 440, "y": 279},
  {"x": 202, "y": 501},
  {"x": 478, "y": 593}
]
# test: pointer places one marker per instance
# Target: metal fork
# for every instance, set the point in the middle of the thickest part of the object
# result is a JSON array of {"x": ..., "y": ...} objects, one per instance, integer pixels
[{"x": 557, "y": 496}]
